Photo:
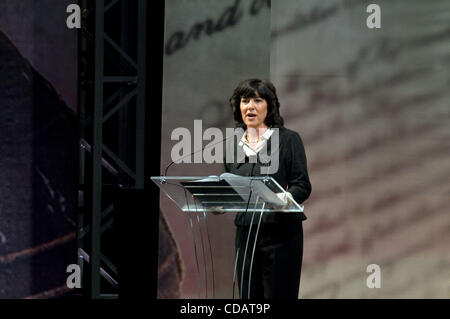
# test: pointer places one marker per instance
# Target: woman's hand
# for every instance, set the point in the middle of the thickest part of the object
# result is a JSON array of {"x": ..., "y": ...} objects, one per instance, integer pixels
[{"x": 285, "y": 197}]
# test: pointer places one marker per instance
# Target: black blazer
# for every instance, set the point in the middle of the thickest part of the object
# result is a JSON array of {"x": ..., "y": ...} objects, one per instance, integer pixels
[{"x": 292, "y": 173}]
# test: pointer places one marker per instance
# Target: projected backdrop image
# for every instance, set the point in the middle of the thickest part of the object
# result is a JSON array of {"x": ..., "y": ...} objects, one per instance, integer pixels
[
  {"x": 38, "y": 134},
  {"x": 372, "y": 107},
  {"x": 210, "y": 46}
]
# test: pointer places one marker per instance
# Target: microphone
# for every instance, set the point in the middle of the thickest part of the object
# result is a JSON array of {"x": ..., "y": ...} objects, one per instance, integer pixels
[{"x": 240, "y": 125}]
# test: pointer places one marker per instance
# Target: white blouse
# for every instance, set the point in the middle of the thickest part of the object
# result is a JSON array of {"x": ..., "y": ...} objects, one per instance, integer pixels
[{"x": 249, "y": 151}]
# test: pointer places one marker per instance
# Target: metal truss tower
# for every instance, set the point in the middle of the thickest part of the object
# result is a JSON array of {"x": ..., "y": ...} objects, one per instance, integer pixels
[{"x": 113, "y": 93}]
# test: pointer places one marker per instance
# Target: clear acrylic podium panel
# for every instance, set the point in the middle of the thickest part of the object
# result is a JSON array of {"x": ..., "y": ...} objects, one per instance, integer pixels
[
  {"x": 196, "y": 196},
  {"x": 226, "y": 193}
]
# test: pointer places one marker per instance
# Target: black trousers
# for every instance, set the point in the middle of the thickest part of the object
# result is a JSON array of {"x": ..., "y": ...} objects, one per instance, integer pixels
[{"x": 277, "y": 262}]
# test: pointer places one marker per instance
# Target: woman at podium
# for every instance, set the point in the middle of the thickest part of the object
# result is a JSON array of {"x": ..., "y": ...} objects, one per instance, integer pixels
[{"x": 277, "y": 261}]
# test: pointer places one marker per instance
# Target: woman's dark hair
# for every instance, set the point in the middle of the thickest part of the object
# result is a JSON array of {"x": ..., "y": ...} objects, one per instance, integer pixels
[{"x": 251, "y": 88}]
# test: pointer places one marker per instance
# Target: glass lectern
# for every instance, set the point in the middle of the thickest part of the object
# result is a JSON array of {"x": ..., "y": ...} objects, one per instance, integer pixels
[{"x": 227, "y": 193}]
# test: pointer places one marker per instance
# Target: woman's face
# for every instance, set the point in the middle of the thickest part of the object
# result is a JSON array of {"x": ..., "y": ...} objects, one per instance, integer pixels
[{"x": 254, "y": 111}]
